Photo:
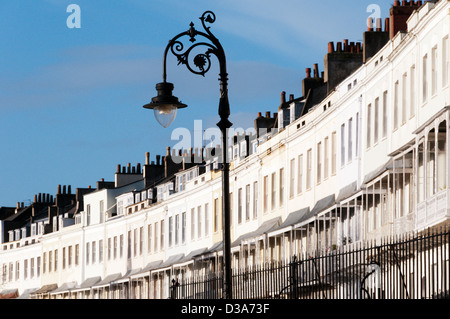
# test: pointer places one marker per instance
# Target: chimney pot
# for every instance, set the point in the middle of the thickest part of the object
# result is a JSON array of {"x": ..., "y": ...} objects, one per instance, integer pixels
[
  {"x": 147, "y": 158},
  {"x": 369, "y": 24},
  {"x": 291, "y": 97},
  {"x": 59, "y": 190},
  {"x": 64, "y": 189},
  {"x": 18, "y": 205},
  {"x": 308, "y": 73},
  {"x": 158, "y": 157},
  {"x": 168, "y": 151},
  {"x": 378, "y": 24},
  {"x": 69, "y": 190},
  {"x": 396, "y": 3},
  {"x": 259, "y": 114},
  {"x": 346, "y": 48},
  {"x": 118, "y": 168},
  {"x": 138, "y": 168},
  {"x": 316, "y": 70},
  {"x": 283, "y": 97},
  {"x": 35, "y": 198},
  {"x": 330, "y": 47},
  {"x": 268, "y": 115},
  {"x": 339, "y": 47}
]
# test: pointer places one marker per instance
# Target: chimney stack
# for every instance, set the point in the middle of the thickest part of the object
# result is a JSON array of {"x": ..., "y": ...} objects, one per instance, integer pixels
[
  {"x": 339, "y": 64},
  {"x": 374, "y": 39},
  {"x": 399, "y": 15}
]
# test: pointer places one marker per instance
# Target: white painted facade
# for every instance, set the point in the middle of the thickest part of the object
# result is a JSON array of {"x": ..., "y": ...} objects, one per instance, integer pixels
[{"x": 358, "y": 153}]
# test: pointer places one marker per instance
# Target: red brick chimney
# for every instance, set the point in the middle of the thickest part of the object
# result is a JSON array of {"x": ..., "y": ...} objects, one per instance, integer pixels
[{"x": 399, "y": 14}]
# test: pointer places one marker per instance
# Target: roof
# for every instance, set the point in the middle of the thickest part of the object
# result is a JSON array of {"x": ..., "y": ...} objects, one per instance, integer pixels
[
  {"x": 88, "y": 283},
  {"x": 9, "y": 294},
  {"x": 323, "y": 204},
  {"x": 45, "y": 289},
  {"x": 108, "y": 279},
  {"x": 193, "y": 254},
  {"x": 64, "y": 287},
  {"x": 375, "y": 173},
  {"x": 214, "y": 248},
  {"x": 127, "y": 275},
  {"x": 152, "y": 265},
  {"x": 26, "y": 294},
  {"x": 263, "y": 229},
  {"x": 347, "y": 191},
  {"x": 320, "y": 206},
  {"x": 171, "y": 260},
  {"x": 293, "y": 218}
]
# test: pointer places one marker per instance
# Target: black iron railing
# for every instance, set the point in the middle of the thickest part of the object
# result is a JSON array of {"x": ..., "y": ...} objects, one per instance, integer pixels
[{"x": 405, "y": 267}]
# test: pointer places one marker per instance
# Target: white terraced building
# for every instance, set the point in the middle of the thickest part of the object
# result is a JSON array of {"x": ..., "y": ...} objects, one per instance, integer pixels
[{"x": 361, "y": 155}]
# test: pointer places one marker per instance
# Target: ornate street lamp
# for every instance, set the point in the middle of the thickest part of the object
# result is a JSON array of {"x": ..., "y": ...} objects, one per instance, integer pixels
[{"x": 165, "y": 106}]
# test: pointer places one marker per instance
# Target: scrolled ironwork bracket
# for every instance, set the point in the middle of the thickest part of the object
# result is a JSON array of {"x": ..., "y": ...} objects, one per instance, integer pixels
[{"x": 200, "y": 64}]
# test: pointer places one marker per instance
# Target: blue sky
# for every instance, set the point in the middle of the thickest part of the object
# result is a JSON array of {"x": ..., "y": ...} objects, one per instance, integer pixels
[{"x": 71, "y": 99}]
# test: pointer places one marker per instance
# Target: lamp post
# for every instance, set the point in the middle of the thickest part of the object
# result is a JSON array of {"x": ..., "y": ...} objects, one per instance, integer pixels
[{"x": 165, "y": 106}]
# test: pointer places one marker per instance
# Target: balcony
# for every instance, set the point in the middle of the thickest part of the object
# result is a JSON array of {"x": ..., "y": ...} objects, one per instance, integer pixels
[{"x": 433, "y": 210}]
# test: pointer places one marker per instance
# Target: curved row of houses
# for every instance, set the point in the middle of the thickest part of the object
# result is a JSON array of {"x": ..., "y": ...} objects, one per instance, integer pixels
[{"x": 361, "y": 155}]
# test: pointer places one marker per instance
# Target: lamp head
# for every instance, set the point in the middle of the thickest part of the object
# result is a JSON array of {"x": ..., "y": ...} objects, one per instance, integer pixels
[{"x": 165, "y": 105}]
